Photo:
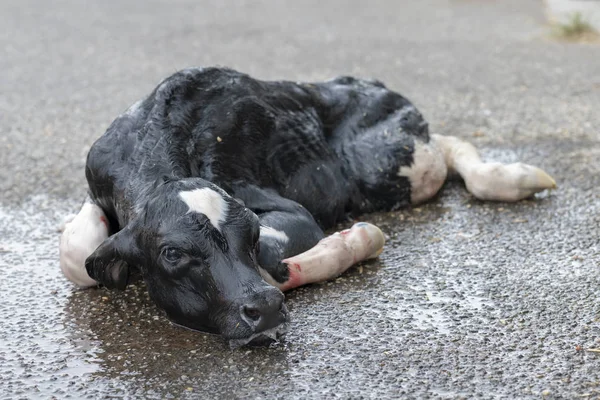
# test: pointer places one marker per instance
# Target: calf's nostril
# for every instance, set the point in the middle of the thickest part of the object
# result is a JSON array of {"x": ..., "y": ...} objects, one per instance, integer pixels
[
  {"x": 264, "y": 310},
  {"x": 252, "y": 313}
]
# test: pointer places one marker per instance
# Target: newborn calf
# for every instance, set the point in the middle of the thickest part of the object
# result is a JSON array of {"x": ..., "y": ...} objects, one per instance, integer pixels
[{"x": 217, "y": 188}]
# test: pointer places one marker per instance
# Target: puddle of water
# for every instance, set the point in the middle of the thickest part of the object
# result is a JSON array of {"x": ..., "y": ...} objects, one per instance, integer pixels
[
  {"x": 424, "y": 319},
  {"x": 364, "y": 330},
  {"x": 466, "y": 300},
  {"x": 56, "y": 340},
  {"x": 40, "y": 357}
]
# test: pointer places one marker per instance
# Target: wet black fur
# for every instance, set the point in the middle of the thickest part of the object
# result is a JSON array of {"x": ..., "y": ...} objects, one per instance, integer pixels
[{"x": 300, "y": 156}]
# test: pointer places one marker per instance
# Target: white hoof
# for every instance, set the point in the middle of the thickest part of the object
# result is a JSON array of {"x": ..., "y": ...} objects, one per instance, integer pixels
[{"x": 510, "y": 182}]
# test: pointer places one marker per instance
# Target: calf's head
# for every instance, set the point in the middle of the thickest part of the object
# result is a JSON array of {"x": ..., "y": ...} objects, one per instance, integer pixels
[{"x": 196, "y": 248}]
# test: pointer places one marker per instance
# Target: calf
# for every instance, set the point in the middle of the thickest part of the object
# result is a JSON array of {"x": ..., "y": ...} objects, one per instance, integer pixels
[{"x": 216, "y": 188}]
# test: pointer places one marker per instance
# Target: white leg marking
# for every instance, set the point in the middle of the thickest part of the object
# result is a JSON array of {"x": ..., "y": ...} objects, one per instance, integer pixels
[
  {"x": 280, "y": 236},
  {"x": 80, "y": 237},
  {"x": 492, "y": 181},
  {"x": 427, "y": 172},
  {"x": 334, "y": 255},
  {"x": 208, "y": 202},
  {"x": 65, "y": 221}
]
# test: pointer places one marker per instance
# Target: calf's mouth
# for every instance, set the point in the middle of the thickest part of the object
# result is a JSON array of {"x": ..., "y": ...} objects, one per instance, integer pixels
[{"x": 263, "y": 338}]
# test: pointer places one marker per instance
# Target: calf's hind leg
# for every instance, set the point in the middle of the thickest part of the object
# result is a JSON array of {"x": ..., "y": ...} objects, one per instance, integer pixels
[
  {"x": 293, "y": 251},
  {"x": 491, "y": 181},
  {"x": 81, "y": 235}
]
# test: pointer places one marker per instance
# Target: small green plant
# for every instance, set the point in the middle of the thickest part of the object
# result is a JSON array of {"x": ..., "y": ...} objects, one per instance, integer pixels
[{"x": 575, "y": 28}]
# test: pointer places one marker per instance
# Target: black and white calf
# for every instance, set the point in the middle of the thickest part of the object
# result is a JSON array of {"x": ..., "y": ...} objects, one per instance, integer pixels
[{"x": 217, "y": 188}]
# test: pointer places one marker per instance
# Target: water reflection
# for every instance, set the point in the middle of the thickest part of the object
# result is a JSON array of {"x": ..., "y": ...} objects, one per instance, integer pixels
[
  {"x": 137, "y": 344},
  {"x": 58, "y": 340}
]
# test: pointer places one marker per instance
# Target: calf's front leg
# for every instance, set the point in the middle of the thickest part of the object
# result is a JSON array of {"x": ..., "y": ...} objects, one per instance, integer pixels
[
  {"x": 293, "y": 250},
  {"x": 333, "y": 255},
  {"x": 325, "y": 260}
]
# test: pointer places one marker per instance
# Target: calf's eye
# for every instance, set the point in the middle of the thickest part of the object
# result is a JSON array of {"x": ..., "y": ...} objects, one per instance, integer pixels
[{"x": 171, "y": 255}]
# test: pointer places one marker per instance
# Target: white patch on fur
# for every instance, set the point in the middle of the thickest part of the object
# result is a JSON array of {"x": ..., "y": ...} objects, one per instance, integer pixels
[
  {"x": 269, "y": 232},
  {"x": 81, "y": 236},
  {"x": 427, "y": 173},
  {"x": 208, "y": 202},
  {"x": 460, "y": 156}
]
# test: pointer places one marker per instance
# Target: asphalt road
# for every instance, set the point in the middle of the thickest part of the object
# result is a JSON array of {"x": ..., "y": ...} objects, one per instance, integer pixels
[{"x": 469, "y": 299}]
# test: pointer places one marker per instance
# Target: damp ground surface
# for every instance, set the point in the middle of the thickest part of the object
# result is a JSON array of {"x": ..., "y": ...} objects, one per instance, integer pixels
[{"x": 469, "y": 299}]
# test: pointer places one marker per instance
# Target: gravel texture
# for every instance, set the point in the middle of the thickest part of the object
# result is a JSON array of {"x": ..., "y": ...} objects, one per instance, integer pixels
[{"x": 469, "y": 300}]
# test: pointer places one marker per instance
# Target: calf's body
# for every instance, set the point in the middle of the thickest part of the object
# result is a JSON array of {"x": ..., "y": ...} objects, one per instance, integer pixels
[{"x": 218, "y": 183}]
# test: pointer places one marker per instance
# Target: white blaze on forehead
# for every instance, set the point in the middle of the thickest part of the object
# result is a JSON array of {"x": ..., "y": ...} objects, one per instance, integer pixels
[
  {"x": 269, "y": 232},
  {"x": 208, "y": 202},
  {"x": 427, "y": 172}
]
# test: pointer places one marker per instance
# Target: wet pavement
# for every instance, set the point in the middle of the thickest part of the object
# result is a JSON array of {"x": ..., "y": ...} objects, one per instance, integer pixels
[{"x": 469, "y": 299}]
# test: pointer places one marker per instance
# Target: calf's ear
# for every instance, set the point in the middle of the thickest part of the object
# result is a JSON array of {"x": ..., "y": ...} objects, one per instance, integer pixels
[{"x": 109, "y": 263}]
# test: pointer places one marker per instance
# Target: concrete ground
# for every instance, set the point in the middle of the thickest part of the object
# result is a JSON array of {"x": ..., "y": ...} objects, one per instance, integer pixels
[{"x": 469, "y": 300}]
